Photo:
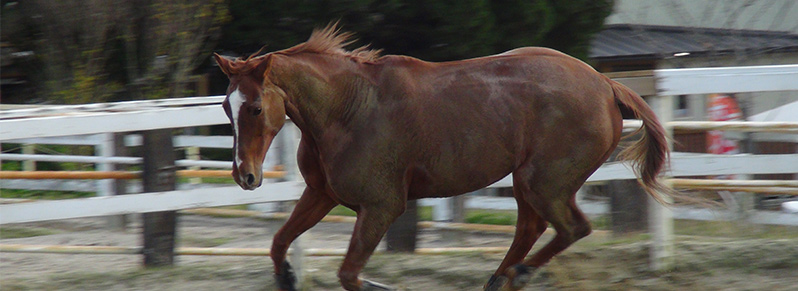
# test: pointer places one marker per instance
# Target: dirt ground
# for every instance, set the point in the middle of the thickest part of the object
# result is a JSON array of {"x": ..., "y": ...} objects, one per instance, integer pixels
[{"x": 598, "y": 262}]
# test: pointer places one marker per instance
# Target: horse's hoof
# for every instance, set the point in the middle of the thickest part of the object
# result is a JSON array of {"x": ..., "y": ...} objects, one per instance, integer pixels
[
  {"x": 374, "y": 286},
  {"x": 495, "y": 283},
  {"x": 523, "y": 274},
  {"x": 286, "y": 280}
]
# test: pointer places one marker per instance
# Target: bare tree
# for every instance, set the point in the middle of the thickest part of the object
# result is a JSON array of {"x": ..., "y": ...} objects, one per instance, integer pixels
[
  {"x": 72, "y": 47},
  {"x": 92, "y": 49},
  {"x": 164, "y": 41}
]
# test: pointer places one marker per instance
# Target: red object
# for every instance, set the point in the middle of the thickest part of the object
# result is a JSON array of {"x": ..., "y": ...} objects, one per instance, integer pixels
[{"x": 722, "y": 107}]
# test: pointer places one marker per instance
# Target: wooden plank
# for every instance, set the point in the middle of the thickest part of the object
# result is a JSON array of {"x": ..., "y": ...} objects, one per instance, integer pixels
[
  {"x": 726, "y": 79},
  {"x": 743, "y": 126},
  {"x": 68, "y": 175},
  {"x": 148, "y": 202},
  {"x": 123, "y": 175},
  {"x": 51, "y": 110},
  {"x": 225, "y": 174},
  {"x": 739, "y": 183},
  {"x": 706, "y": 164},
  {"x": 112, "y": 122}
]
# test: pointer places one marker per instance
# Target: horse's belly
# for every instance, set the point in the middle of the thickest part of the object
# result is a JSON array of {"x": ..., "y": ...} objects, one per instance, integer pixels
[{"x": 454, "y": 179}]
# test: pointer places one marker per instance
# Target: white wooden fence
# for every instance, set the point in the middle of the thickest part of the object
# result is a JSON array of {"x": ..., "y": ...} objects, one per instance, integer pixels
[{"x": 30, "y": 124}]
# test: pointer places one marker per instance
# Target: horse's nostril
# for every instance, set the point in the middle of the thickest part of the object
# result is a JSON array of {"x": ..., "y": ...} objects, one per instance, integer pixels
[{"x": 250, "y": 179}]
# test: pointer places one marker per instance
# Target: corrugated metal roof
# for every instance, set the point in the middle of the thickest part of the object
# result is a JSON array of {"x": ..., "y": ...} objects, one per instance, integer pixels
[{"x": 626, "y": 41}]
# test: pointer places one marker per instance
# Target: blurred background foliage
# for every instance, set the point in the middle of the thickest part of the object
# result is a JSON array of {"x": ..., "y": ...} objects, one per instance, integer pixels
[{"x": 110, "y": 50}]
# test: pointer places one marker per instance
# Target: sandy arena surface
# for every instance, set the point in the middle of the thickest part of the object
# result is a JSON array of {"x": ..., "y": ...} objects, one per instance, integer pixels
[{"x": 598, "y": 262}]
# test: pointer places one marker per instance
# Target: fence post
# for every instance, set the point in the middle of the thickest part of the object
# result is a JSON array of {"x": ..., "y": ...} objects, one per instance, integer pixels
[
  {"x": 29, "y": 149},
  {"x": 660, "y": 218},
  {"x": 628, "y": 204},
  {"x": 159, "y": 175},
  {"x": 105, "y": 148},
  {"x": 401, "y": 235},
  {"x": 442, "y": 210},
  {"x": 112, "y": 144}
]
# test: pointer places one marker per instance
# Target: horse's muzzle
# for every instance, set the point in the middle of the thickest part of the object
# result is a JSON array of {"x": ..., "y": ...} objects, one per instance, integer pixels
[{"x": 250, "y": 181}]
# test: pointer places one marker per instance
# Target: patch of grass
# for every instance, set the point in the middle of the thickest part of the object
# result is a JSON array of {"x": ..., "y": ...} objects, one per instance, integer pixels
[
  {"x": 22, "y": 232},
  {"x": 600, "y": 222},
  {"x": 341, "y": 210},
  {"x": 209, "y": 180},
  {"x": 44, "y": 194},
  {"x": 491, "y": 217}
]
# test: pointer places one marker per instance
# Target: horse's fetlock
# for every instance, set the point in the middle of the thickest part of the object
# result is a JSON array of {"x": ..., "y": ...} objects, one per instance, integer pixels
[
  {"x": 348, "y": 280},
  {"x": 495, "y": 283},
  {"x": 286, "y": 278},
  {"x": 522, "y": 275}
]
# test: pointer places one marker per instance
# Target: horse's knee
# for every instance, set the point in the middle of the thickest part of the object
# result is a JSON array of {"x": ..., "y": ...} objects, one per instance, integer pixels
[
  {"x": 583, "y": 230},
  {"x": 349, "y": 280},
  {"x": 576, "y": 232}
]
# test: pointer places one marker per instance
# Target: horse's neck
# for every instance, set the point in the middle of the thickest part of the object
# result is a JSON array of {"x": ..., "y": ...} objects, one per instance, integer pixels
[{"x": 316, "y": 101}]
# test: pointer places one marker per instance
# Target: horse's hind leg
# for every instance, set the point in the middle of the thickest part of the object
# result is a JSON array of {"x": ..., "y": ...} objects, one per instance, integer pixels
[
  {"x": 309, "y": 210},
  {"x": 529, "y": 227},
  {"x": 551, "y": 194}
]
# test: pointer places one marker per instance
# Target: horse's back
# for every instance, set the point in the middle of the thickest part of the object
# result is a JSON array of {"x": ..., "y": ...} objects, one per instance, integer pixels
[{"x": 477, "y": 120}]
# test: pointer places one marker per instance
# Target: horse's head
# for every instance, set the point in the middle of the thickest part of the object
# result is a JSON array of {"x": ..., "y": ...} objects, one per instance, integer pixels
[{"x": 256, "y": 109}]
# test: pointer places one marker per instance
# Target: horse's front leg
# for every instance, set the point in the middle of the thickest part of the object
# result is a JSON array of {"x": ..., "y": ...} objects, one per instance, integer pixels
[
  {"x": 309, "y": 210},
  {"x": 373, "y": 221}
]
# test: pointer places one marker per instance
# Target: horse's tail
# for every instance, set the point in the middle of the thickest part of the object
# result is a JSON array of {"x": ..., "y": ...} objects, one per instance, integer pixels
[{"x": 650, "y": 153}]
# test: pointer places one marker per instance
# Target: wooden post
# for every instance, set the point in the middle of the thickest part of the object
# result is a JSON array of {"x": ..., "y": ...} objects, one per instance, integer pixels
[
  {"x": 628, "y": 204},
  {"x": 442, "y": 210},
  {"x": 118, "y": 186},
  {"x": 401, "y": 236},
  {"x": 458, "y": 206},
  {"x": 628, "y": 207},
  {"x": 159, "y": 175},
  {"x": 660, "y": 218},
  {"x": 193, "y": 152}
]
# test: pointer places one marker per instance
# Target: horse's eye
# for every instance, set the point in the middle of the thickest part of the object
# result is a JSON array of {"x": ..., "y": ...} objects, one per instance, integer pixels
[{"x": 257, "y": 111}]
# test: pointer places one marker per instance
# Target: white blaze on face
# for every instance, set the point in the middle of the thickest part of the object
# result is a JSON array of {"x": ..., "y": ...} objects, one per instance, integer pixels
[{"x": 236, "y": 101}]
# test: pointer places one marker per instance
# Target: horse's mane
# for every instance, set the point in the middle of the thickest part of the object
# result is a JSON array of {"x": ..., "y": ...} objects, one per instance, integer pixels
[{"x": 331, "y": 41}]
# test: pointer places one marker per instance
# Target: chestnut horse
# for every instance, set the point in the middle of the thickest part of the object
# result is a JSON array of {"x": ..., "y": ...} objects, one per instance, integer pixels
[{"x": 380, "y": 130}]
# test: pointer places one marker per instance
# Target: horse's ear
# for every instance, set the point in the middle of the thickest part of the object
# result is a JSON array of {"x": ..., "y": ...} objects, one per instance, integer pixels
[
  {"x": 263, "y": 67},
  {"x": 223, "y": 63}
]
